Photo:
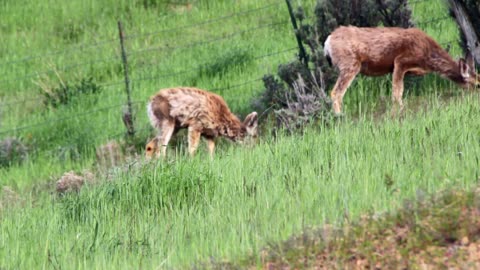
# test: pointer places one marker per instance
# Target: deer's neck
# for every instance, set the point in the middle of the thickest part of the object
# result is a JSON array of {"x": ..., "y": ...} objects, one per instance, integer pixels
[{"x": 443, "y": 64}]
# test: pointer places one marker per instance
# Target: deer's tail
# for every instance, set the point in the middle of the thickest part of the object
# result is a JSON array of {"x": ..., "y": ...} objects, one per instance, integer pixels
[
  {"x": 151, "y": 116},
  {"x": 327, "y": 50}
]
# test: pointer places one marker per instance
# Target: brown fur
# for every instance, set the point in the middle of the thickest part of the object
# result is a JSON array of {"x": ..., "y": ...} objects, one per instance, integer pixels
[
  {"x": 203, "y": 113},
  {"x": 382, "y": 50}
]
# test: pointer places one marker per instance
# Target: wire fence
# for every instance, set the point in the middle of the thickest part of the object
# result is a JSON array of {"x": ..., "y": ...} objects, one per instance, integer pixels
[
  {"x": 60, "y": 119},
  {"x": 415, "y": 2},
  {"x": 201, "y": 67},
  {"x": 116, "y": 58},
  {"x": 82, "y": 47},
  {"x": 7, "y": 105},
  {"x": 207, "y": 22},
  {"x": 153, "y": 53}
]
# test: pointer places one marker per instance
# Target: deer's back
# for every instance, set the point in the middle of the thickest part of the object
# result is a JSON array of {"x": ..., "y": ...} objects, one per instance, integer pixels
[
  {"x": 189, "y": 106},
  {"x": 377, "y": 47}
]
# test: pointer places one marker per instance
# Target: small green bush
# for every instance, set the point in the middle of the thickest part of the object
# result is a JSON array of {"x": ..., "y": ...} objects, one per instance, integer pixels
[
  {"x": 12, "y": 151},
  {"x": 70, "y": 93}
]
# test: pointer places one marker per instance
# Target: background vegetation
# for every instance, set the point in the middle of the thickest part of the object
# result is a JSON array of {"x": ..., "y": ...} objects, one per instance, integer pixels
[{"x": 178, "y": 213}]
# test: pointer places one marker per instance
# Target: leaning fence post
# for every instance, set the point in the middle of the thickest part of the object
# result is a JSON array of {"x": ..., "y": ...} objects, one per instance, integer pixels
[
  {"x": 302, "y": 53},
  {"x": 128, "y": 115}
]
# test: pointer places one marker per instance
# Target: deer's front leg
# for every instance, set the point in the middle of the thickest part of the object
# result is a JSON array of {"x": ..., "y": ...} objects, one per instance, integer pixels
[
  {"x": 193, "y": 140},
  {"x": 343, "y": 82},
  {"x": 397, "y": 86}
]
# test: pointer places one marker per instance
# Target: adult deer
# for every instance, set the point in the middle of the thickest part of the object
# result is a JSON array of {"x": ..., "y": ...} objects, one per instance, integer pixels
[
  {"x": 381, "y": 50},
  {"x": 205, "y": 114}
]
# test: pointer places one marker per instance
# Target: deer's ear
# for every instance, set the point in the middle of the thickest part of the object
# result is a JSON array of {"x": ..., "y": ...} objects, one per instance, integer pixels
[
  {"x": 464, "y": 68},
  {"x": 251, "y": 123},
  {"x": 251, "y": 119}
]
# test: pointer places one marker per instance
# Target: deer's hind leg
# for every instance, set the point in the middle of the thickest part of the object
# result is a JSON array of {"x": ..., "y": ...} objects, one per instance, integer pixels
[
  {"x": 345, "y": 78},
  {"x": 193, "y": 140}
]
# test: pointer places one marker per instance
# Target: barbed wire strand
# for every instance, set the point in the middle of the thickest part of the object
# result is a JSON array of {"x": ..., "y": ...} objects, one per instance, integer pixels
[
  {"x": 124, "y": 133},
  {"x": 203, "y": 23},
  {"x": 445, "y": 18},
  {"x": 203, "y": 42},
  {"x": 45, "y": 55},
  {"x": 236, "y": 85},
  {"x": 65, "y": 68},
  {"x": 106, "y": 85},
  {"x": 200, "y": 67},
  {"x": 14, "y": 130},
  {"x": 115, "y": 59},
  {"x": 418, "y": 2},
  {"x": 39, "y": 97},
  {"x": 86, "y": 46}
]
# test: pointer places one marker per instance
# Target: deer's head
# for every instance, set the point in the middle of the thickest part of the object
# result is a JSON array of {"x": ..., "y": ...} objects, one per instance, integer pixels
[
  {"x": 249, "y": 129},
  {"x": 467, "y": 70}
]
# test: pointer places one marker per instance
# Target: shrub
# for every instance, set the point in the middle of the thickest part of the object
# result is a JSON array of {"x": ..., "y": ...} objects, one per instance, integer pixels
[
  {"x": 303, "y": 105},
  {"x": 12, "y": 151},
  {"x": 69, "y": 93}
]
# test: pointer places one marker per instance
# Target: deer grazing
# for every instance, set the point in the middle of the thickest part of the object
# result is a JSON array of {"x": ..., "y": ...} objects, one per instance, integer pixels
[
  {"x": 381, "y": 50},
  {"x": 205, "y": 115}
]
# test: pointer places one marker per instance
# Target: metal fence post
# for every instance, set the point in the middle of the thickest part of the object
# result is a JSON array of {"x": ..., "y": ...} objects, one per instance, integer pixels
[
  {"x": 302, "y": 53},
  {"x": 128, "y": 115}
]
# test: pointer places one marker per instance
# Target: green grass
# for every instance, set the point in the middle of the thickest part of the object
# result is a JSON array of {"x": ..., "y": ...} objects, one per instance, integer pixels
[
  {"x": 172, "y": 214},
  {"x": 176, "y": 213}
]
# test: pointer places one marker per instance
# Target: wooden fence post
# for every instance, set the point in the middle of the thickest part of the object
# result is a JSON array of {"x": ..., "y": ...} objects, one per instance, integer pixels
[
  {"x": 302, "y": 53},
  {"x": 128, "y": 114}
]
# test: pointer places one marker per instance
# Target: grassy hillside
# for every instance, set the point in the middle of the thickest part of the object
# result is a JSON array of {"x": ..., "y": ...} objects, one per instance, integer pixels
[{"x": 176, "y": 213}]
